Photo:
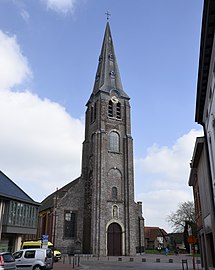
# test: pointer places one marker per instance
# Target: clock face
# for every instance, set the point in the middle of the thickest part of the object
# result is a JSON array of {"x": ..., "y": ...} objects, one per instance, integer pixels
[{"x": 114, "y": 99}]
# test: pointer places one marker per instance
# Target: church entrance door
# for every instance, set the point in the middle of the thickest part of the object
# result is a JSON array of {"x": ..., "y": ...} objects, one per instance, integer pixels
[{"x": 114, "y": 240}]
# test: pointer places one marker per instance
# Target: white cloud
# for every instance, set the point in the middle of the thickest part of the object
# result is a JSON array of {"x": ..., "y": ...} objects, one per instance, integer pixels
[
  {"x": 164, "y": 174},
  {"x": 40, "y": 142},
  {"x": 61, "y": 6},
  {"x": 14, "y": 68},
  {"x": 41, "y": 145},
  {"x": 158, "y": 204}
]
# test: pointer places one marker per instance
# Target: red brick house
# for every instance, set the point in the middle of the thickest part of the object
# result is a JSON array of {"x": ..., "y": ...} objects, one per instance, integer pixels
[{"x": 155, "y": 238}]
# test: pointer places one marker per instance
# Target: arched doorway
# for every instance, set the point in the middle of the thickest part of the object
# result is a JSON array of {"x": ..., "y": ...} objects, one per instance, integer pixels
[{"x": 114, "y": 240}]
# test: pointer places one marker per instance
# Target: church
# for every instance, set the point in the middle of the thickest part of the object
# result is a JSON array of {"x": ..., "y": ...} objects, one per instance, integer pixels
[{"x": 96, "y": 213}]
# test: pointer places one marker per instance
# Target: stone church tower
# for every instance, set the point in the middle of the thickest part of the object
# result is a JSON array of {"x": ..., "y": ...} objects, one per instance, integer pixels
[{"x": 100, "y": 203}]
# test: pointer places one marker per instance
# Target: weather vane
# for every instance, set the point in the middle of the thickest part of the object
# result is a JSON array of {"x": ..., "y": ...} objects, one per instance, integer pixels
[{"x": 108, "y": 15}]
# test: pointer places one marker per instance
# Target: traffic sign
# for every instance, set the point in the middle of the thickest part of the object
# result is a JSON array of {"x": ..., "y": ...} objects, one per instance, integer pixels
[{"x": 191, "y": 239}]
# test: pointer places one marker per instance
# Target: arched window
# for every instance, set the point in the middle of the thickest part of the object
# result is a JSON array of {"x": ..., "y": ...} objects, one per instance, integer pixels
[
  {"x": 114, "y": 193},
  {"x": 110, "y": 108},
  {"x": 118, "y": 110},
  {"x": 114, "y": 141}
]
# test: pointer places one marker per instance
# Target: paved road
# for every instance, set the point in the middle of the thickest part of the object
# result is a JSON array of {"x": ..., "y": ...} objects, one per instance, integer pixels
[{"x": 146, "y": 262}]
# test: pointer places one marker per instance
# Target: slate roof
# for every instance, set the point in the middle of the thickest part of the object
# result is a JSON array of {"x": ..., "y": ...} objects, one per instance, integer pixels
[
  {"x": 107, "y": 75},
  {"x": 48, "y": 202},
  {"x": 8, "y": 189}
]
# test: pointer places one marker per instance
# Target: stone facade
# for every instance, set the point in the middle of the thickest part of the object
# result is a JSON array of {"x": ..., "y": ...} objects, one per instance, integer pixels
[
  {"x": 99, "y": 208},
  {"x": 72, "y": 201}
]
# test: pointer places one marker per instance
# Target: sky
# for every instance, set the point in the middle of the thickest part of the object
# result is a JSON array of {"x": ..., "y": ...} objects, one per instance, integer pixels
[{"x": 49, "y": 53}]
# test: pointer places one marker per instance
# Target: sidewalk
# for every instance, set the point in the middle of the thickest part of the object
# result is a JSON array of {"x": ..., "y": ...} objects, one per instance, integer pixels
[
  {"x": 67, "y": 263},
  {"x": 148, "y": 261}
]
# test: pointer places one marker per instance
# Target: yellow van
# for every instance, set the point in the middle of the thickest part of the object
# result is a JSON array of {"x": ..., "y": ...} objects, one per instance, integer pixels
[{"x": 38, "y": 244}]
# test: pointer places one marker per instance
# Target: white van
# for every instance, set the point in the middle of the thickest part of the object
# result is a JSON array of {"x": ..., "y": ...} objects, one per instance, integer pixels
[
  {"x": 34, "y": 259},
  {"x": 39, "y": 244}
]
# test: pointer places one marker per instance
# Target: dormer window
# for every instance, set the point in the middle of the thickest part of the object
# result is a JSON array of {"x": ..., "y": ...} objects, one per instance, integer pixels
[
  {"x": 110, "y": 56},
  {"x": 112, "y": 74}
]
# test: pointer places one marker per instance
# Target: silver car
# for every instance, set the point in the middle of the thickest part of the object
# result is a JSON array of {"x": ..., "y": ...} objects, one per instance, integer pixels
[
  {"x": 34, "y": 259},
  {"x": 7, "y": 261}
]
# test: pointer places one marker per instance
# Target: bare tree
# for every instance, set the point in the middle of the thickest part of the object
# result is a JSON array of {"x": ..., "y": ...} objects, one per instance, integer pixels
[
  {"x": 185, "y": 214},
  {"x": 183, "y": 219}
]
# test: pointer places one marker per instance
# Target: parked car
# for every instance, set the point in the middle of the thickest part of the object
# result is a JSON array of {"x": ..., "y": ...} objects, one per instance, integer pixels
[
  {"x": 39, "y": 244},
  {"x": 7, "y": 261},
  {"x": 34, "y": 259}
]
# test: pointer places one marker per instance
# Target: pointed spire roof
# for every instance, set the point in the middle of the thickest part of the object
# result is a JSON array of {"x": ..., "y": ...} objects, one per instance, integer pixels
[{"x": 107, "y": 75}]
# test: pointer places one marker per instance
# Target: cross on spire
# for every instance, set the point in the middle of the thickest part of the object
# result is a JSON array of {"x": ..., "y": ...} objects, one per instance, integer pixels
[{"x": 108, "y": 15}]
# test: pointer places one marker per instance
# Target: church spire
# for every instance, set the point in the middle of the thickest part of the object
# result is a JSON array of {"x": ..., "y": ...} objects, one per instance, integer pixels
[{"x": 107, "y": 75}]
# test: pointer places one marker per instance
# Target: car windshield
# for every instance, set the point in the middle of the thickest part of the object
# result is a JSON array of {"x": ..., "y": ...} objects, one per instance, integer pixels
[
  {"x": 32, "y": 246},
  {"x": 8, "y": 257}
]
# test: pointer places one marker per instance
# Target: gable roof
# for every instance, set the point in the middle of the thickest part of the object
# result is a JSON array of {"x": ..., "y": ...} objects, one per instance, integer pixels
[
  {"x": 153, "y": 232},
  {"x": 48, "y": 202},
  {"x": 8, "y": 189}
]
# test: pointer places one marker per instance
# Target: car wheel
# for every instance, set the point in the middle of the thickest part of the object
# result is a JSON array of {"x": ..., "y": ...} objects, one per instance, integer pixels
[{"x": 37, "y": 267}]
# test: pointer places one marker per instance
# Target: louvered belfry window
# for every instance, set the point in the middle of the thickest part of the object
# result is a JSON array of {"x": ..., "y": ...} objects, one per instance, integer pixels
[
  {"x": 118, "y": 110},
  {"x": 110, "y": 109}
]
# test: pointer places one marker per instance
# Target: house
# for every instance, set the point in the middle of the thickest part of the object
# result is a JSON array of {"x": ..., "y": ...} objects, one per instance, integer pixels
[
  {"x": 200, "y": 180},
  {"x": 176, "y": 241},
  {"x": 155, "y": 238},
  {"x": 18, "y": 214}
]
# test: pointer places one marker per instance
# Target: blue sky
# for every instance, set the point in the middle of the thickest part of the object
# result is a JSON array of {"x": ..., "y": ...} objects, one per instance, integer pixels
[{"x": 49, "y": 53}]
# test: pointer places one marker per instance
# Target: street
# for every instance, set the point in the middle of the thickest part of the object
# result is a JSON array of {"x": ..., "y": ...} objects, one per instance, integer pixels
[{"x": 146, "y": 262}]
